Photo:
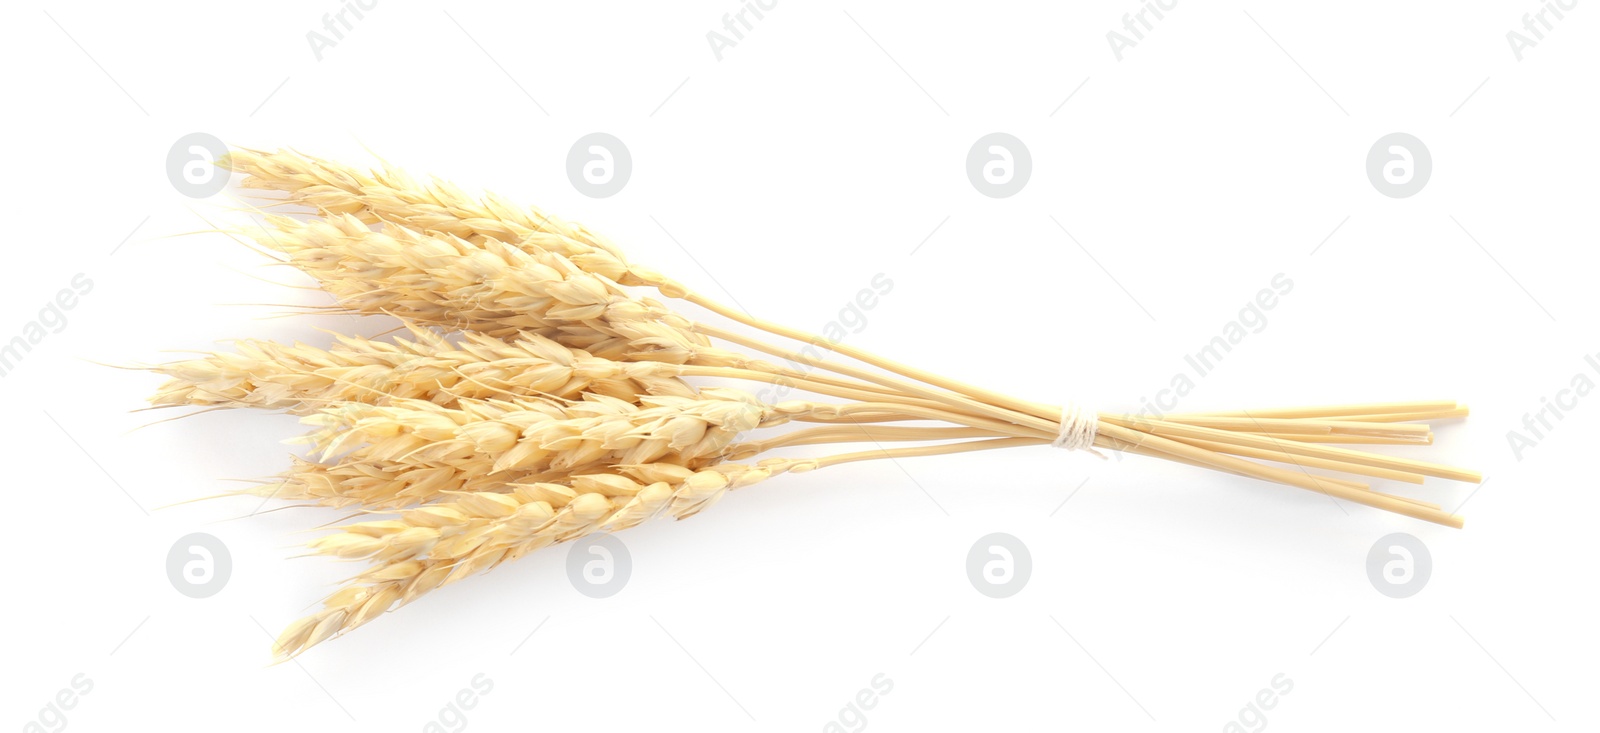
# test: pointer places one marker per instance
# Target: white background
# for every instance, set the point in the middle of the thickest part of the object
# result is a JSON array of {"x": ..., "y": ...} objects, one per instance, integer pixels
[{"x": 827, "y": 147}]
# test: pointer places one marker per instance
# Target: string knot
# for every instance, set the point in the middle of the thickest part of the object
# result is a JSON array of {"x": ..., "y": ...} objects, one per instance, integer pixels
[{"x": 1079, "y": 427}]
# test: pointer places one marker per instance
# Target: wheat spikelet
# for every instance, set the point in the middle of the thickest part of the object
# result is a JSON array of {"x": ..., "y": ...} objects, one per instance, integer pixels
[
  {"x": 530, "y": 435},
  {"x": 365, "y": 479},
  {"x": 377, "y": 483},
  {"x": 301, "y": 379},
  {"x": 385, "y": 485},
  {"x": 428, "y": 547},
  {"x": 393, "y": 196},
  {"x": 439, "y": 278},
  {"x": 485, "y": 286},
  {"x": 413, "y": 452}
]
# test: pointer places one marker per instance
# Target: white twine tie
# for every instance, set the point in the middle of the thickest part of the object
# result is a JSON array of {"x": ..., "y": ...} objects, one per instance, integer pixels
[{"x": 1079, "y": 426}]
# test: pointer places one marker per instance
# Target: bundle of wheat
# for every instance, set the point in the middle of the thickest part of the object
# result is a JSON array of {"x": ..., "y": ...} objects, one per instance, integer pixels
[{"x": 561, "y": 405}]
